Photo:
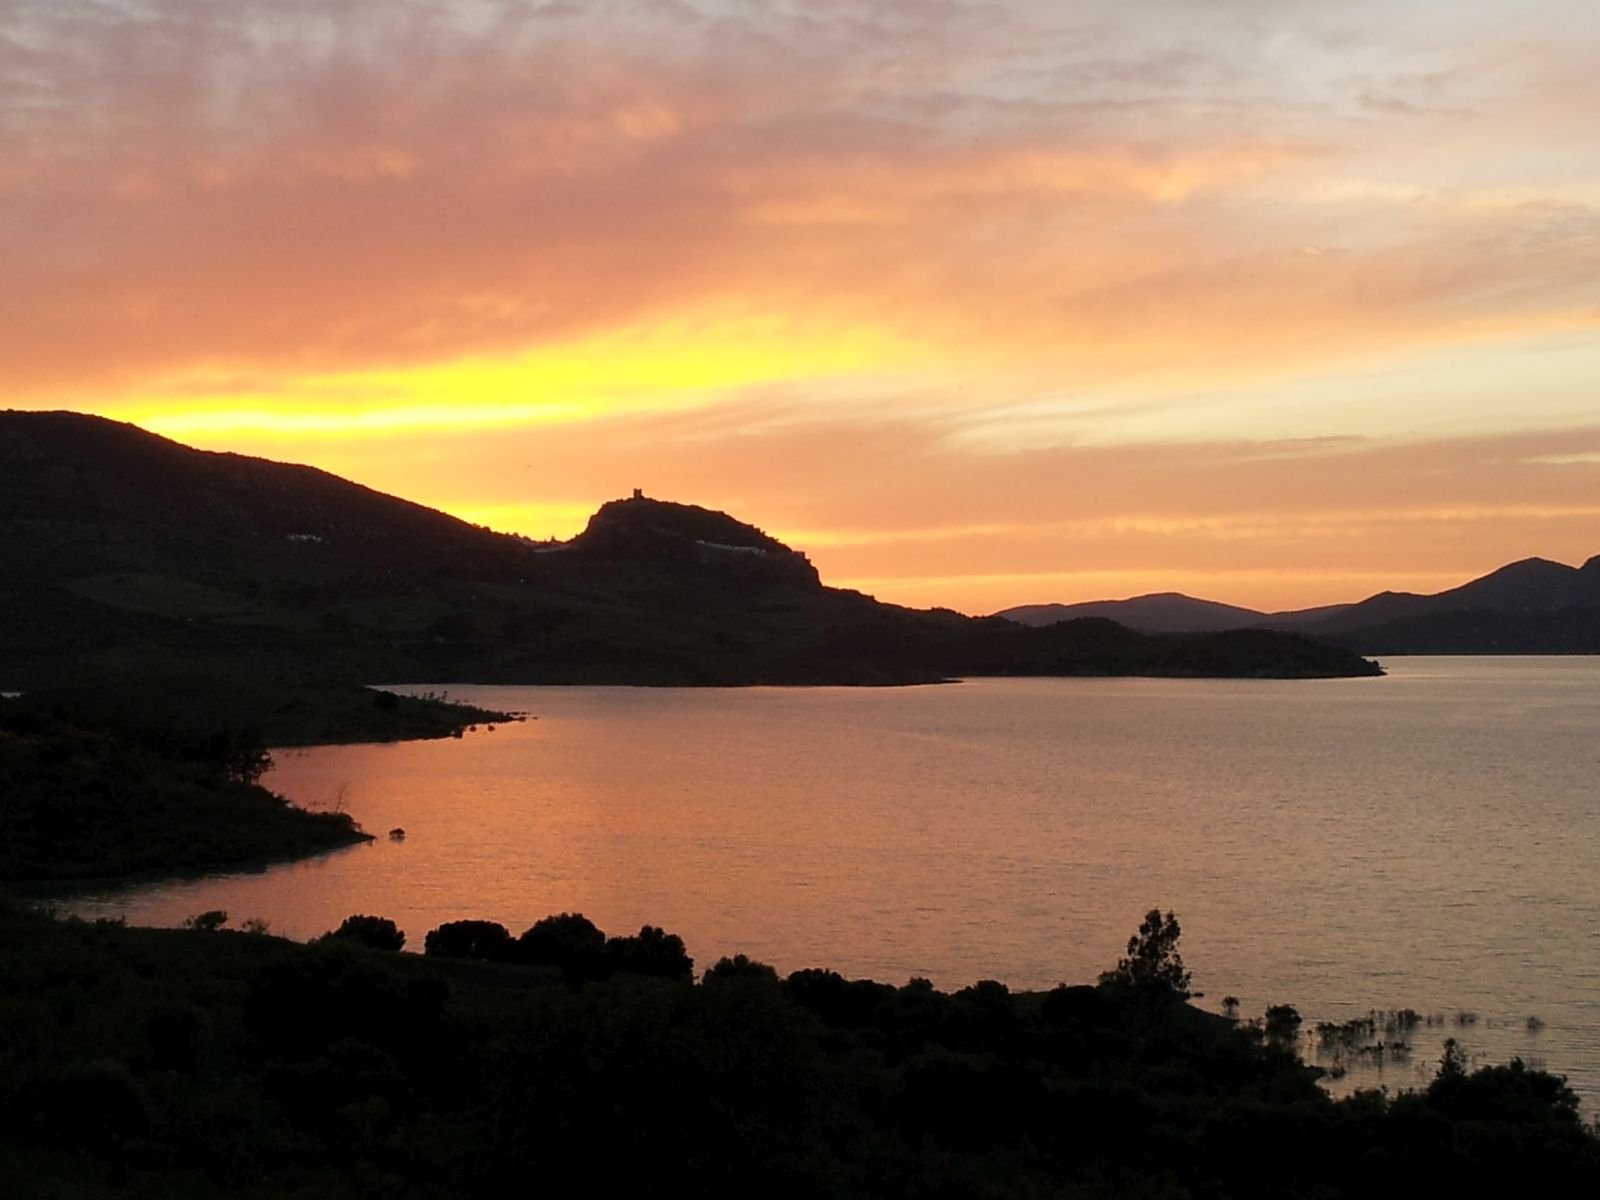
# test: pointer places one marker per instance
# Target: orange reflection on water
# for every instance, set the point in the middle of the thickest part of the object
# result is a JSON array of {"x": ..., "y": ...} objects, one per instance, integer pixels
[{"x": 1428, "y": 840}]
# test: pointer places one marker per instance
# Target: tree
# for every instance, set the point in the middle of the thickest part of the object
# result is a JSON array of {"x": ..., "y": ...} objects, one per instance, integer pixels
[
  {"x": 488, "y": 940},
  {"x": 1453, "y": 1062},
  {"x": 740, "y": 966},
  {"x": 1282, "y": 1024},
  {"x": 1153, "y": 964},
  {"x": 377, "y": 933},
  {"x": 652, "y": 951},
  {"x": 568, "y": 940}
]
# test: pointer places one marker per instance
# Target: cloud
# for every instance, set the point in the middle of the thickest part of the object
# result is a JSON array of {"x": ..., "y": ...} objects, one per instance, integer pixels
[
  {"x": 285, "y": 188},
  {"x": 973, "y": 294}
]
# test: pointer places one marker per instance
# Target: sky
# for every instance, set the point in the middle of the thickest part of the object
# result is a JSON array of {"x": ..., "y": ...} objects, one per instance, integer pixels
[{"x": 1274, "y": 302}]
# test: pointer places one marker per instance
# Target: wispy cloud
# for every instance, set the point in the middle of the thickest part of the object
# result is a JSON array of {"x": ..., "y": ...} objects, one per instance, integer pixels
[
  {"x": 315, "y": 187},
  {"x": 1014, "y": 278}
]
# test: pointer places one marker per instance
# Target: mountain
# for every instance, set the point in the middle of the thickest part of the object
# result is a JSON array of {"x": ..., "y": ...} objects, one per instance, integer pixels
[
  {"x": 1533, "y": 585},
  {"x": 1534, "y": 606},
  {"x": 121, "y": 551},
  {"x": 1160, "y": 612}
]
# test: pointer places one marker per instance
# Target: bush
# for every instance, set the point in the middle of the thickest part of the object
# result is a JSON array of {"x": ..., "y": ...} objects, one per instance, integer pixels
[
  {"x": 652, "y": 951},
  {"x": 843, "y": 1003},
  {"x": 299, "y": 1004},
  {"x": 376, "y": 933},
  {"x": 1513, "y": 1093},
  {"x": 726, "y": 970},
  {"x": 93, "y": 1106},
  {"x": 1283, "y": 1023},
  {"x": 487, "y": 940},
  {"x": 568, "y": 940}
]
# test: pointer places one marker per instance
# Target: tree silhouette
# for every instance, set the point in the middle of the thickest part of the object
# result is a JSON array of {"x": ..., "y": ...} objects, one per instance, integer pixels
[
  {"x": 378, "y": 933},
  {"x": 740, "y": 966},
  {"x": 652, "y": 951},
  {"x": 1153, "y": 964},
  {"x": 470, "y": 939},
  {"x": 567, "y": 940},
  {"x": 1453, "y": 1062},
  {"x": 1282, "y": 1024}
]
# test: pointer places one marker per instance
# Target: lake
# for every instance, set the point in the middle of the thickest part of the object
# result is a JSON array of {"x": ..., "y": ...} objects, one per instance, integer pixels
[{"x": 1427, "y": 840}]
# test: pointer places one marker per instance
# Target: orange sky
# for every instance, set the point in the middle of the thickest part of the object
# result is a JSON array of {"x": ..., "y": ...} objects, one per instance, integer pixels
[{"x": 978, "y": 304}]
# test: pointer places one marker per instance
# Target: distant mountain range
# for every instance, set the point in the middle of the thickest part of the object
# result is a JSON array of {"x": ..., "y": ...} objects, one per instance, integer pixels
[
  {"x": 123, "y": 551},
  {"x": 1534, "y": 606}
]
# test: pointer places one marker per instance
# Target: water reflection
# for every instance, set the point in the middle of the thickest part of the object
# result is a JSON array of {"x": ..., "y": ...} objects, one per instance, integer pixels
[{"x": 1427, "y": 840}]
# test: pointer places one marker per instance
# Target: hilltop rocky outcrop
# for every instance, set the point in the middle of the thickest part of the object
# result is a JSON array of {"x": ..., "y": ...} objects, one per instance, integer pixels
[{"x": 662, "y": 531}]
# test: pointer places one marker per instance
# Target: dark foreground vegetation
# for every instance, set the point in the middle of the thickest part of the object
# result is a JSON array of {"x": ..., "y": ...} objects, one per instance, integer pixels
[
  {"x": 192, "y": 1063},
  {"x": 160, "y": 774},
  {"x": 81, "y": 803},
  {"x": 178, "y": 707}
]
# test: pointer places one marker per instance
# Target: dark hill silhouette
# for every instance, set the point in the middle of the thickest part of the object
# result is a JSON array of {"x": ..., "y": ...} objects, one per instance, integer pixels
[
  {"x": 121, "y": 550},
  {"x": 108, "y": 493},
  {"x": 1533, "y": 606},
  {"x": 1532, "y": 585},
  {"x": 1159, "y": 612}
]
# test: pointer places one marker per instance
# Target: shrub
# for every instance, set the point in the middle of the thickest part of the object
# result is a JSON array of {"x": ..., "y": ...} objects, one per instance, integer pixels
[
  {"x": 376, "y": 933},
  {"x": 91, "y": 1106},
  {"x": 568, "y": 940},
  {"x": 726, "y": 970},
  {"x": 487, "y": 940},
  {"x": 652, "y": 951},
  {"x": 1283, "y": 1022}
]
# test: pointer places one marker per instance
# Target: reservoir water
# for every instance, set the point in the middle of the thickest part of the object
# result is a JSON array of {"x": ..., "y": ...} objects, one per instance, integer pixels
[{"x": 1427, "y": 840}]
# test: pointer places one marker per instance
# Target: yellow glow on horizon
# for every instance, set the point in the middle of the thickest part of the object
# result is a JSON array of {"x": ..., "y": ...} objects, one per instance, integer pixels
[
  {"x": 530, "y": 520},
  {"x": 668, "y": 365},
  {"x": 1222, "y": 525},
  {"x": 1263, "y": 589}
]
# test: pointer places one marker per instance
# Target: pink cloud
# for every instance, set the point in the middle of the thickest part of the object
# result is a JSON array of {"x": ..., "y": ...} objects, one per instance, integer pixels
[{"x": 381, "y": 184}]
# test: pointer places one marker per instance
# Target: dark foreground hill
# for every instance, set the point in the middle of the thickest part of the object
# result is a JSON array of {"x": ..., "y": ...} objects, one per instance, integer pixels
[
  {"x": 1534, "y": 606},
  {"x": 120, "y": 550}
]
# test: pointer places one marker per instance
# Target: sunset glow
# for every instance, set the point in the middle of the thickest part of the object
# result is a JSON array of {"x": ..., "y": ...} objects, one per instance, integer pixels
[{"x": 978, "y": 305}]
